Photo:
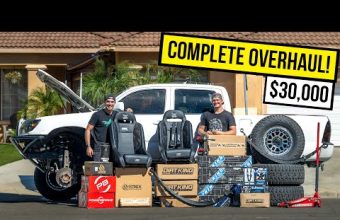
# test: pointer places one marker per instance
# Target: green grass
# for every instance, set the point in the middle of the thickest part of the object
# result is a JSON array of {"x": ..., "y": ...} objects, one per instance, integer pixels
[{"x": 8, "y": 154}]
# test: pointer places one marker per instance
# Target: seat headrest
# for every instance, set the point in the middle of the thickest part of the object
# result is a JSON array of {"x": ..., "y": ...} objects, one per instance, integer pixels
[
  {"x": 174, "y": 114},
  {"x": 125, "y": 117}
]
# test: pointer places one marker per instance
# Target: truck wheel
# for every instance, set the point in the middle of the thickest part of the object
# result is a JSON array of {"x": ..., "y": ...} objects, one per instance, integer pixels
[
  {"x": 46, "y": 185},
  {"x": 46, "y": 182},
  {"x": 284, "y": 174},
  {"x": 284, "y": 193},
  {"x": 278, "y": 138}
]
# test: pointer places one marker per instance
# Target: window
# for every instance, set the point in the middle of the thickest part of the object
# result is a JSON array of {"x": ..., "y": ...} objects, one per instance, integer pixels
[
  {"x": 193, "y": 101},
  {"x": 12, "y": 95},
  {"x": 146, "y": 101}
]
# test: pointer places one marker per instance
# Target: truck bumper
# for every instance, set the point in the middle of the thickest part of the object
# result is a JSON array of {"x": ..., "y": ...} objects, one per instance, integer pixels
[{"x": 29, "y": 146}]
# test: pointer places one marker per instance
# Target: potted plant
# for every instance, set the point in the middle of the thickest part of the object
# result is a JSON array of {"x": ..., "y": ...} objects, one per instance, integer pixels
[{"x": 14, "y": 77}]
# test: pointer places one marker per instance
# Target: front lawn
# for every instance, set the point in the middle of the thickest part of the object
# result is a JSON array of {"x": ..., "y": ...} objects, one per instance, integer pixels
[{"x": 8, "y": 154}]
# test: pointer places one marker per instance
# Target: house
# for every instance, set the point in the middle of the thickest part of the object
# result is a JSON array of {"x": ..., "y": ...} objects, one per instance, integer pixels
[{"x": 66, "y": 55}]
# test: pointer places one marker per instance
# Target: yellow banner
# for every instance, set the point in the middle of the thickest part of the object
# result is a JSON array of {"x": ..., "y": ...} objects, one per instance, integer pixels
[{"x": 248, "y": 57}]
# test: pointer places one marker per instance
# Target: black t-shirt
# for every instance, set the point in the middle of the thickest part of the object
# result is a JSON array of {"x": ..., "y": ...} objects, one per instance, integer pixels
[
  {"x": 102, "y": 120},
  {"x": 217, "y": 122}
]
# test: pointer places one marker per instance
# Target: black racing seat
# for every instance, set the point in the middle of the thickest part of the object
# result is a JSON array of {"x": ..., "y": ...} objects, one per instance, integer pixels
[
  {"x": 127, "y": 141},
  {"x": 175, "y": 137}
]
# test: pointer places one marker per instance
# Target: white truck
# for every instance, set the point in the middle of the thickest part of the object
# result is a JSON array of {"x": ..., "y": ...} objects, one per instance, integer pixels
[{"x": 55, "y": 144}]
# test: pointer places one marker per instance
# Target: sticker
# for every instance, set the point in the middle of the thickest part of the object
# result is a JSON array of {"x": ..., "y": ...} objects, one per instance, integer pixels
[
  {"x": 298, "y": 92},
  {"x": 248, "y": 57}
]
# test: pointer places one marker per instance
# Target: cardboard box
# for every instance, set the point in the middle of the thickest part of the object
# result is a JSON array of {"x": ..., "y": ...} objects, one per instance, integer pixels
[
  {"x": 228, "y": 145},
  {"x": 94, "y": 168},
  {"x": 220, "y": 175},
  {"x": 134, "y": 202},
  {"x": 133, "y": 187},
  {"x": 183, "y": 188},
  {"x": 214, "y": 189},
  {"x": 255, "y": 200},
  {"x": 255, "y": 189},
  {"x": 173, "y": 202},
  {"x": 224, "y": 161},
  {"x": 99, "y": 184},
  {"x": 255, "y": 176},
  {"x": 96, "y": 200},
  {"x": 177, "y": 171}
]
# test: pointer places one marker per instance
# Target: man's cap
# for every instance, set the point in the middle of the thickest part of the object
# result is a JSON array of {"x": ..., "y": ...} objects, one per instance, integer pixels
[
  {"x": 110, "y": 96},
  {"x": 217, "y": 95}
]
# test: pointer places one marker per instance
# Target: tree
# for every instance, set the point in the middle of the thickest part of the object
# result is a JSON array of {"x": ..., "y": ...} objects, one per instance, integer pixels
[
  {"x": 114, "y": 79},
  {"x": 42, "y": 102}
]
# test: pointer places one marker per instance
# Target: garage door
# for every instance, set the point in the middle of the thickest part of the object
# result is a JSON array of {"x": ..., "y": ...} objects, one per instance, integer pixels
[{"x": 333, "y": 115}]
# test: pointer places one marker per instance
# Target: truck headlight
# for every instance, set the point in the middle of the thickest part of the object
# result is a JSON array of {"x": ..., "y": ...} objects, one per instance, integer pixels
[{"x": 28, "y": 125}]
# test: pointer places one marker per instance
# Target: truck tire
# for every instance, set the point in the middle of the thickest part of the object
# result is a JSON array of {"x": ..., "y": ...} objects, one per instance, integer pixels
[
  {"x": 278, "y": 138},
  {"x": 46, "y": 182},
  {"x": 63, "y": 194},
  {"x": 284, "y": 174},
  {"x": 284, "y": 193}
]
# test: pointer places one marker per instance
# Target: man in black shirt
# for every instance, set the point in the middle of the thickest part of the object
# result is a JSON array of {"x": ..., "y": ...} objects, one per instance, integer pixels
[
  {"x": 100, "y": 122},
  {"x": 219, "y": 122}
]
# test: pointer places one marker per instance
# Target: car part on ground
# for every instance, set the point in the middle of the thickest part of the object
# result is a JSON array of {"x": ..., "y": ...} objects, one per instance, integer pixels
[
  {"x": 44, "y": 183},
  {"x": 58, "y": 177}
]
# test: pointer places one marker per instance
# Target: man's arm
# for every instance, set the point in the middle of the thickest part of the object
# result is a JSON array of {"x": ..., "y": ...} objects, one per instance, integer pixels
[
  {"x": 201, "y": 130},
  {"x": 232, "y": 131},
  {"x": 89, "y": 149}
]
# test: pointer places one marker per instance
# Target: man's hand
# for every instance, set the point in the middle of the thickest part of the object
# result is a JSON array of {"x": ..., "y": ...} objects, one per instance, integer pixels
[
  {"x": 89, "y": 151},
  {"x": 216, "y": 132},
  {"x": 129, "y": 110}
]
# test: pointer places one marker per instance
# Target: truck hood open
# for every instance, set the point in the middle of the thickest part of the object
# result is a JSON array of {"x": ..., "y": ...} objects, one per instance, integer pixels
[{"x": 64, "y": 91}]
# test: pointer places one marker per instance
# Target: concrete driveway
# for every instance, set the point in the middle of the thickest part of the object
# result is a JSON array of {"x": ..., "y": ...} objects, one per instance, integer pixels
[{"x": 17, "y": 183}]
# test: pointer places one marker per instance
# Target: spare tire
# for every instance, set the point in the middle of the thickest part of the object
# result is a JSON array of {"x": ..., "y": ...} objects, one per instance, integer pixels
[{"x": 277, "y": 139}]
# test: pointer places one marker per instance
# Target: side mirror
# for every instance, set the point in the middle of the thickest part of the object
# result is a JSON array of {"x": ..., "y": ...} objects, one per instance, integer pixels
[{"x": 119, "y": 105}]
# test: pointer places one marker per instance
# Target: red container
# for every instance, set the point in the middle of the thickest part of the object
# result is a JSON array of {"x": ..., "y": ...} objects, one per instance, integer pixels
[
  {"x": 96, "y": 200},
  {"x": 98, "y": 184}
]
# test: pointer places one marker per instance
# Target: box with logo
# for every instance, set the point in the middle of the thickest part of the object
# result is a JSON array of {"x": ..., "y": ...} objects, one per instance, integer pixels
[
  {"x": 182, "y": 187},
  {"x": 177, "y": 171},
  {"x": 220, "y": 175},
  {"x": 253, "y": 200},
  {"x": 257, "y": 176},
  {"x": 133, "y": 187},
  {"x": 228, "y": 145},
  {"x": 100, "y": 184},
  {"x": 224, "y": 161},
  {"x": 173, "y": 202},
  {"x": 213, "y": 189},
  {"x": 255, "y": 189},
  {"x": 94, "y": 168},
  {"x": 96, "y": 200}
]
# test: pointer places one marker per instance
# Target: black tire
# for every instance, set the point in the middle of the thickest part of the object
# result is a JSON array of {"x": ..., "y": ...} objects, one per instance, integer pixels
[
  {"x": 40, "y": 180},
  {"x": 284, "y": 174},
  {"x": 284, "y": 193},
  {"x": 278, "y": 138},
  {"x": 46, "y": 182}
]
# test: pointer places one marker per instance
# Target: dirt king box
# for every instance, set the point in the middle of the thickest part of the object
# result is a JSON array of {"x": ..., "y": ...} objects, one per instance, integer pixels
[{"x": 177, "y": 171}]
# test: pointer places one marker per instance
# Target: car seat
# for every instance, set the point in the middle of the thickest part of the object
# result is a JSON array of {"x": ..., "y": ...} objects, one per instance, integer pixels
[
  {"x": 175, "y": 138},
  {"x": 127, "y": 141}
]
